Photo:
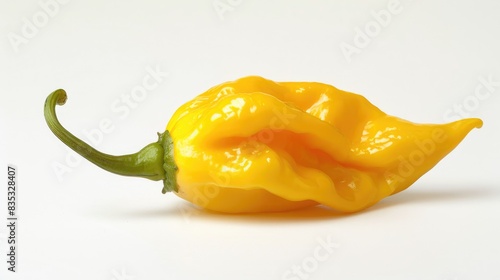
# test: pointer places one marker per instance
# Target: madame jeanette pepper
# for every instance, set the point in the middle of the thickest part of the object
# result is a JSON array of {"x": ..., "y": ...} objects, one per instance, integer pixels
[{"x": 254, "y": 145}]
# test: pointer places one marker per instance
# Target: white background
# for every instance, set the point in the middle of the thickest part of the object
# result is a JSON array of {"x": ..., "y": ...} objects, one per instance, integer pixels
[{"x": 422, "y": 64}]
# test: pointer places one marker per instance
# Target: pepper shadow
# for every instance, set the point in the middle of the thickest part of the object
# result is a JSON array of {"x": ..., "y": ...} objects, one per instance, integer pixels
[
  {"x": 418, "y": 194},
  {"x": 439, "y": 194}
]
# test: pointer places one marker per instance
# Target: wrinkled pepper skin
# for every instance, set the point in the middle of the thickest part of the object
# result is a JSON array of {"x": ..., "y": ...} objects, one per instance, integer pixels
[{"x": 254, "y": 145}]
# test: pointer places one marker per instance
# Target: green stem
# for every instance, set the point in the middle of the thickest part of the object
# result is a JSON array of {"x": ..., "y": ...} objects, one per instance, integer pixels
[{"x": 154, "y": 162}]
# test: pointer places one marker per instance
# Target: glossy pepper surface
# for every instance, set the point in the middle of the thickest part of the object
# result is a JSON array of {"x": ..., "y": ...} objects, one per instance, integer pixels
[{"x": 254, "y": 145}]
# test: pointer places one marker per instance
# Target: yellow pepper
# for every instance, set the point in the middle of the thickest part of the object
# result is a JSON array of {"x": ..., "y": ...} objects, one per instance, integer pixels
[{"x": 254, "y": 145}]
